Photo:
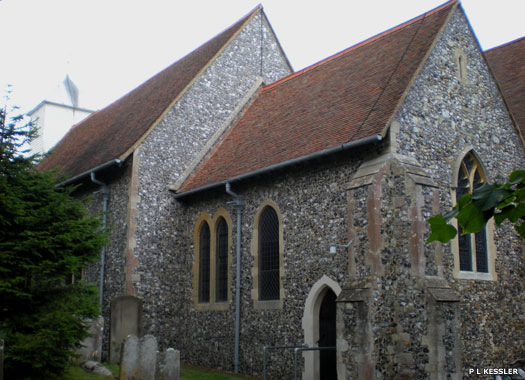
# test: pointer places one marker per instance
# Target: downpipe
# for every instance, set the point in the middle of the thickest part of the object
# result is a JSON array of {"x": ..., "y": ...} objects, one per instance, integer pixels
[{"x": 238, "y": 202}]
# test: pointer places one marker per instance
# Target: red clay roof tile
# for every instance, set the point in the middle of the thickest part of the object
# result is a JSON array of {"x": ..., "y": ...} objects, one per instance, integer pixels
[
  {"x": 507, "y": 62},
  {"x": 344, "y": 98},
  {"x": 113, "y": 131}
]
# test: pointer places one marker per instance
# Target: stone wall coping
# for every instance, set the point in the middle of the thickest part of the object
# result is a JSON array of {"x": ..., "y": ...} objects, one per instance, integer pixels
[
  {"x": 440, "y": 290},
  {"x": 367, "y": 171}
]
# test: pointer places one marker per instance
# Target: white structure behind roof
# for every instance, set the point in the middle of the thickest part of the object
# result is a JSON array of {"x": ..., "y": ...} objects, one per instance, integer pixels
[{"x": 53, "y": 117}]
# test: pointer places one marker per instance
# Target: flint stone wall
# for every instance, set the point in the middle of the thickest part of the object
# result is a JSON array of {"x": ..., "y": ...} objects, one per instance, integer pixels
[
  {"x": 163, "y": 157},
  {"x": 442, "y": 117},
  {"x": 117, "y": 227},
  {"x": 411, "y": 335},
  {"x": 165, "y": 154},
  {"x": 312, "y": 202}
]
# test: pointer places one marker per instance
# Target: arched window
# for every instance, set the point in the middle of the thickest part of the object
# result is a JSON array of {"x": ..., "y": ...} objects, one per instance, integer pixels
[
  {"x": 221, "y": 257},
  {"x": 473, "y": 253},
  {"x": 269, "y": 280},
  {"x": 212, "y": 252},
  {"x": 204, "y": 263}
]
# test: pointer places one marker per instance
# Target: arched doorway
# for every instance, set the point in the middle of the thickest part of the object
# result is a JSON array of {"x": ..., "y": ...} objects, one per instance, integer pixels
[
  {"x": 327, "y": 337},
  {"x": 325, "y": 287}
]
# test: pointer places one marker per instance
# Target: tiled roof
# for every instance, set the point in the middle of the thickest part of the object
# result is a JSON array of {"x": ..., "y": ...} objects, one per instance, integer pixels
[
  {"x": 345, "y": 98},
  {"x": 114, "y": 131},
  {"x": 507, "y": 62}
]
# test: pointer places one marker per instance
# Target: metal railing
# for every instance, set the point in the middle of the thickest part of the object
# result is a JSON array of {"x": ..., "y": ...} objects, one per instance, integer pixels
[
  {"x": 296, "y": 349},
  {"x": 265, "y": 356}
]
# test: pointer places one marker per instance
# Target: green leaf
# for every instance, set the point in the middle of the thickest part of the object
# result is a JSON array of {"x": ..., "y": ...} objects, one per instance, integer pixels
[
  {"x": 451, "y": 214},
  {"x": 440, "y": 230},
  {"x": 464, "y": 200},
  {"x": 471, "y": 219},
  {"x": 507, "y": 200},
  {"x": 516, "y": 177},
  {"x": 519, "y": 195},
  {"x": 512, "y": 213},
  {"x": 520, "y": 229},
  {"x": 487, "y": 196}
]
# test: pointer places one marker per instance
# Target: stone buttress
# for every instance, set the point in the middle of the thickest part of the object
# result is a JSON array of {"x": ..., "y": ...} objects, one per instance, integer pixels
[{"x": 399, "y": 316}]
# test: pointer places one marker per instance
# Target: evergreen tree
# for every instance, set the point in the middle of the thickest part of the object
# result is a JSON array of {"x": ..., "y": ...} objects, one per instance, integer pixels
[{"x": 46, "y": 238}]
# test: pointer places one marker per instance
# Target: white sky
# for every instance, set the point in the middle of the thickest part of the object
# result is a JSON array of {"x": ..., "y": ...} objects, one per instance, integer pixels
[{"x": 109, "y": 47}]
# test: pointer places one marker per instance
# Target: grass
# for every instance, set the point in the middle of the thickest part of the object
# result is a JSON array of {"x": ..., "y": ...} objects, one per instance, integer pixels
[{"x": 188, "y": 373}]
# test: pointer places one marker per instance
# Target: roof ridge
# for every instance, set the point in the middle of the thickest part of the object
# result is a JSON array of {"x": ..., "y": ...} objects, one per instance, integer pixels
[
  {"x": 134, "y": 124},
  {"x": 504, "y": 44},
  {"x": 318, "y": 118},
  {"x": 244, "y": 20},
  {"x": 241, "y": 24},
  {"x": 360, "y": 44}
]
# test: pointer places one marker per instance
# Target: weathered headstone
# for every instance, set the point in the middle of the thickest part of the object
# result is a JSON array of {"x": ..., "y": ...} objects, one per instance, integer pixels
[
  {"x": 139, "y": 358},
  {"x": 126, "y": 319},
  {"x": 92, "y": 346},
  {"x": 148, "y": 357},
  {"x": 170, "y": 366}
]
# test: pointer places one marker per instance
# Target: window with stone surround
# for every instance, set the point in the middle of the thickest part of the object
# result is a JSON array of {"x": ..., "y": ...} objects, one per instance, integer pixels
[
  {"x": 204, "y": 263},
  {"x": 461, "y": 65},
  {"x": 269, "y": 255},
  {"x": 211, "y": 274},
  {"x": 474, "y": 253},
  {"x": 221, "y": 257},
  {"x": 267, "y": 247}
]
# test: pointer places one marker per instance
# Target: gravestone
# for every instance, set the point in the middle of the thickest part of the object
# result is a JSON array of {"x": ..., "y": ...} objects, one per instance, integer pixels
[
  {"x": 92, "y": 346},
  {"x": 169, "y": 367},
  {"x": 126, "y": 319},
  {"x": 138, "y": 358}
]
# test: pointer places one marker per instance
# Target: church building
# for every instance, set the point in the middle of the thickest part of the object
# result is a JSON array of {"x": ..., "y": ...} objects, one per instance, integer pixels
[{"x": 251, "y": 206}]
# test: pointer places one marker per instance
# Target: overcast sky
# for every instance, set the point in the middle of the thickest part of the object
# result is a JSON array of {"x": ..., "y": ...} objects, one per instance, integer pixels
[{"x": 108, "y": 47}]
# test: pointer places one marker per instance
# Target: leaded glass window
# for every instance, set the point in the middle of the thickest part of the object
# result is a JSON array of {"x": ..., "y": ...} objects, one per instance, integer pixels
[
  {"x": 269, "y": 281},
  {"x": 204, "y": 263},
  {"x": 473, "y": 255},
  {"x": 221, "y": 257}
]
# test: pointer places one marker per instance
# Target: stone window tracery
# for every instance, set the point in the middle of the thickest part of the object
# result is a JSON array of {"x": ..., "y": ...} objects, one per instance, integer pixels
[{"x": 473, "y": 256}]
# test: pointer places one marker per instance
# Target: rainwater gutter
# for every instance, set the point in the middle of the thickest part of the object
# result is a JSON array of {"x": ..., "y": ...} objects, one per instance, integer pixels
[
  {"x": 115, "y": 162},
  {"x": 285, "y": 164},
  {"x": 105, "y": 192},
  {"x": 238, "y": 201}
]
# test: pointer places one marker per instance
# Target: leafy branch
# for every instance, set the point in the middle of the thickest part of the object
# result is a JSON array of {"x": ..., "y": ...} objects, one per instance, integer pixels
[{"x": 504, "y": 201}]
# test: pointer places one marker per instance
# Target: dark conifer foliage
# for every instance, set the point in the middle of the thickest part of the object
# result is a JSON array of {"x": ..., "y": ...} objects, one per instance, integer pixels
[{"x": 46, "y": 238}]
